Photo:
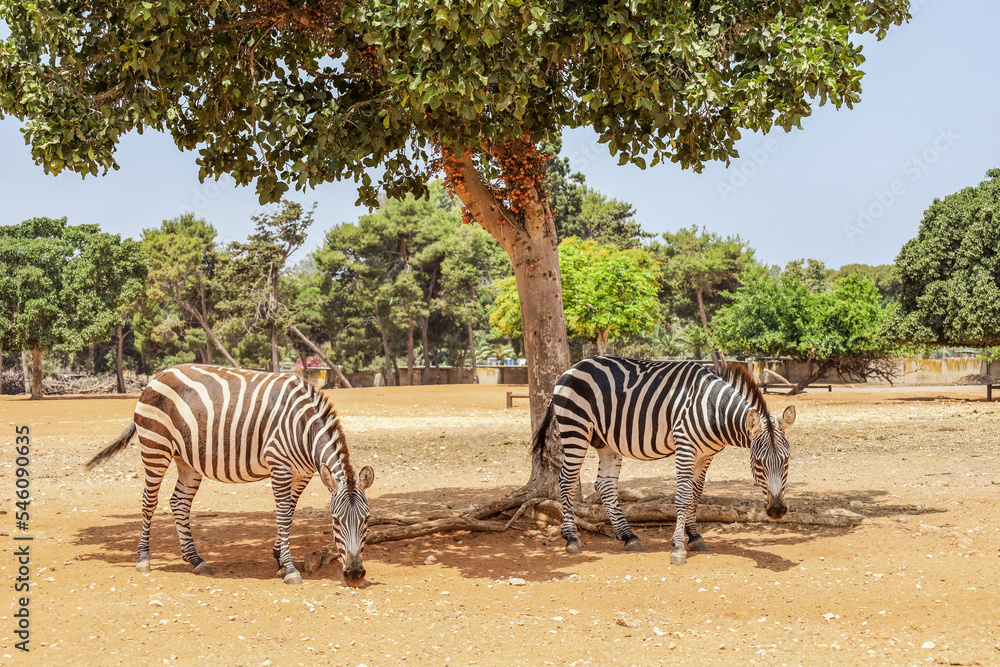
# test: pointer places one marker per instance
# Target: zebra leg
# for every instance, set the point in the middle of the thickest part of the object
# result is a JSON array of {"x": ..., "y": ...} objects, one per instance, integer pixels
[
  {"x": 608, "y": 469},
  {"x": 298, "y": 486},
  {"x": 282, "y": 484},
  {"x": 695, "y": 540},
  {"x": 156, "y": 465},
  {"x": 574, "y": 451},
  {"x": 188, "y": 481},
  {"x": 685, "y": 460}
]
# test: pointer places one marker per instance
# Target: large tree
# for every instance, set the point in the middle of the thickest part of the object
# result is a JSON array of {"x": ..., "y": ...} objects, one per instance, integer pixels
[
  {"x": 181, "y": 287},
  {"x": 251, "y": 273},
  {"x": 842, "y": 330},
  {"x": 949, "y": 274},
  {"x": 282, "y": 94},
  {"x": 63, "y": 286},
  {"x": 698, "y": 268},
  {"x": 609, "y": 294}
]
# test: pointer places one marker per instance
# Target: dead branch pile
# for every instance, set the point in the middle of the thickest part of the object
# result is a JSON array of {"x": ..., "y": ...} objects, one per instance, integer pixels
[
  {"x": 973, "y": 380},
  {"x": 91, "y": 384}
]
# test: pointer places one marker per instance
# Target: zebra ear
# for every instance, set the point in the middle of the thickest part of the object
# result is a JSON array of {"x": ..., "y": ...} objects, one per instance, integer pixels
[
  {"x": 753, "y": 422},
  {"x": 327, "y": 477},
  {"x": 366, "y": 477},
  {"x": 788, "y": 417}
]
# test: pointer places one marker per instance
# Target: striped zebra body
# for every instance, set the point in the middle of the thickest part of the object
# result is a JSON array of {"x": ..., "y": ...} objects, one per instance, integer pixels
[
  {"x": 649, "y": 410},
  {"x": 236, "y": 426}
]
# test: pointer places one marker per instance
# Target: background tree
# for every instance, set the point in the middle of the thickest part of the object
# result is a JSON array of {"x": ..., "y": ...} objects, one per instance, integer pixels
[
  {"x": 842, "y": 330},
  {"x": 810, "y": 272},
  {"x": 62, "y": 287},
  {"x": 281, "y": 94},
  {"x": 386, "y": 270},
  {"x": 609, "y": 293},
  {"x": 465, "y": 281},
  {"x": 698, "y": 269},
  {"x": 950, "y": 273},
  {"x": 181, "y": 287},
  {"x": 110, "y": 280},
  {"x": 252, "y": 273},
  {"x": 885, "y": 277}
]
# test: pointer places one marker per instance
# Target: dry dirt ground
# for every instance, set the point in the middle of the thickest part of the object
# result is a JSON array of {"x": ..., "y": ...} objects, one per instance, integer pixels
[{"x": 916, "y": 582}]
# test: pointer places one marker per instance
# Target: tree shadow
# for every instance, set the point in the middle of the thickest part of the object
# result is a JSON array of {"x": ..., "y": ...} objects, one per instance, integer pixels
[{"x": 237, "y": 545}]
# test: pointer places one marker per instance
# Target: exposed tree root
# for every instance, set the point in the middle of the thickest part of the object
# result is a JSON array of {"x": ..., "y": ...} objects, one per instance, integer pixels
[{"x": 645, "y": 508}]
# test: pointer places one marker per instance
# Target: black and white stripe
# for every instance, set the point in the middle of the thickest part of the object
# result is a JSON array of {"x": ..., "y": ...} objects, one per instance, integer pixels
[
  {"x": 235, "y": 425},
  {"x": 649, "y": 410}
]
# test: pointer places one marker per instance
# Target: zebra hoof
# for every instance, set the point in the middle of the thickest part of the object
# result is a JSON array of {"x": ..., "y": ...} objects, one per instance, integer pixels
[
  {"x": 678, "y": 557},
  {"x": 574, "y": 547},
  {"x": 634, "y": 544},
  {"x": 292, "y": 578},
  {"x": 697, "y": 544},
  {"x": 203, "y": 569},
  {"x": 142, "y": 566}
]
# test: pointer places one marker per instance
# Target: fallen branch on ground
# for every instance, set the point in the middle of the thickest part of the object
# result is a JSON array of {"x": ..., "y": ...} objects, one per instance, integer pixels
[{"x": 590, "y": 517}]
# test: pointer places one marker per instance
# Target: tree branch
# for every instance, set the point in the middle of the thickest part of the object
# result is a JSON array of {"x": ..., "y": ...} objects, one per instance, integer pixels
[
  {"x": 465, "y": 182},
  {"x": 340, "y": 376}
]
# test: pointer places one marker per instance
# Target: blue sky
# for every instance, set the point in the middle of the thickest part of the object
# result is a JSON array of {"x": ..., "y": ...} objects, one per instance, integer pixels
[{"x": 850, "y": 187}]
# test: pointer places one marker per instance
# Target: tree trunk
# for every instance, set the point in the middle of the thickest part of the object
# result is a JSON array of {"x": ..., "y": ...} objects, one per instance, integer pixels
[
  {"x": 119, "y": 373},
  {"x": 275, "y": 356},
  {"x": 211, "y": 334},
  {"x": 341, "y": 378},
  {"x": 602, "y": 341},
  {"x": 529, "y": 237},
  {"x": 426, "y": 373},
  {"x": 716, "y": 360},
  {"x": 390, "y": 377},
  {"x": 207, "y": 353},
  {"x": 1, "y": 371},
  {"x": 275, "y": 360},
  {"x": 88, "y": 364},
  {"x": 820, "y": 371},
  {"x": 36, "y": 374},
  {"x": 472, "y": 349},
  {"x": 24, "y": 372},
  {"x": 409, "y": 354}
]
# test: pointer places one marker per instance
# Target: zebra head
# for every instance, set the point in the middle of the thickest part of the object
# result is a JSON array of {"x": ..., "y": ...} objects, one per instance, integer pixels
[
  {"x": 350, "y": 519},
  {"x": 769, "y": 454}
]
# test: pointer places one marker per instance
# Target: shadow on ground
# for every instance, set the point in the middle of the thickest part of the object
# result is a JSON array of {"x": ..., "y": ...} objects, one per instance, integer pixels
[{"x": 238, "y": 544}]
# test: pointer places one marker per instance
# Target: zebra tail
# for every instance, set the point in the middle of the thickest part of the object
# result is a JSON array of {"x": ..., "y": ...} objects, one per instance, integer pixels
[
  {"x": 538, "y": 439},
  {"x": 120, "y": 443}
]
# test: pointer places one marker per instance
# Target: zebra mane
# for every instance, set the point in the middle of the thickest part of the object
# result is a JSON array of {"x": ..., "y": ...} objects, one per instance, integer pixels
[
  {"x": 329, "y": 416},
  {"x": 741, "y": 379}
]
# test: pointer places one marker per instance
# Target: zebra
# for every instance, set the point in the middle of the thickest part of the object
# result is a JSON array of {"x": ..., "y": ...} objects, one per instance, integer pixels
[
  {"x": 650, "y": 410},
  {"x": 234, "y": 425}
]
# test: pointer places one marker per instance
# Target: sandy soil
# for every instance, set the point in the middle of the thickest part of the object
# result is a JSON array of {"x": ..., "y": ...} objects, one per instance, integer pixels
[{"x": 916, "y": 582}]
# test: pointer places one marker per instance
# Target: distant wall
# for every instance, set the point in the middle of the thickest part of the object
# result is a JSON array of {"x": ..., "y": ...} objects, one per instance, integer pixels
[
  {"x": 911, "y": 371},
  {"x": 439, "y": 375}
]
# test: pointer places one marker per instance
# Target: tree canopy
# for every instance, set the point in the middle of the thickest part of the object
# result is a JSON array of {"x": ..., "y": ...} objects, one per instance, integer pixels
[
  {"x": 842, "y": 329},
  {"x": 950, "y": 273},
  {"x": 609, "y": 293},
  {"x": 302, "y": 93},
  {"x": 698, "y": 269},
  {"x": 63, "y": 286}
]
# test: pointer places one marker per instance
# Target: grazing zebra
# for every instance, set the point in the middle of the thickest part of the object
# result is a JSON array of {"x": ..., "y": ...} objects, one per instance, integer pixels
[
  {"x": 234, "y": 425},
  {"x": 653, "y": 409}
]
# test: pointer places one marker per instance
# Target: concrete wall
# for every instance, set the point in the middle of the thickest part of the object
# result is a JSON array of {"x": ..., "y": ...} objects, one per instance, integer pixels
[
  {"x": 443, "y": 375},
  {"x": 910, "y": 371}
]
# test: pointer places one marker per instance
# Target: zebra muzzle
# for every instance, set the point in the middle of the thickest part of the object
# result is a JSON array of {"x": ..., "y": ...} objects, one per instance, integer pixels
[
  {"x": 354, "y": 575},
  {"x": 776, "y": 508}
]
